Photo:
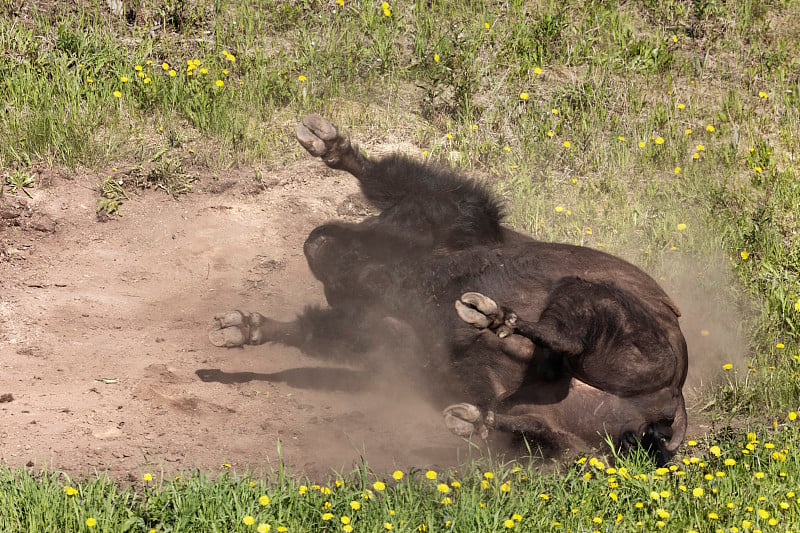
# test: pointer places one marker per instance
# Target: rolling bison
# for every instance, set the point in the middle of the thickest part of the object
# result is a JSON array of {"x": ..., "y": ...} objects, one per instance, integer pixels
[{"x": 567, "y": 346}]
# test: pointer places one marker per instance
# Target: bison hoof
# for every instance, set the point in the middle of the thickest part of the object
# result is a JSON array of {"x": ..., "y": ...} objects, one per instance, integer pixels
[
  {"x": 482, "y": 312},
  {"x": 234, "y": 328},
  {"x": 465, "y": 419}
]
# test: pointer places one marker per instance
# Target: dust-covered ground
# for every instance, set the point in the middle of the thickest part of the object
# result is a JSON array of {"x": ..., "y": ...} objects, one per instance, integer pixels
[{"x": 104, "y": 359}]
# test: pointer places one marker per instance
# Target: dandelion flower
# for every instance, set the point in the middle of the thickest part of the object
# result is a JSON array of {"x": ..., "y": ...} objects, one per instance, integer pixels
[
  {"x": 681, "y": 106},
  {"x": 744, "y": 255},
  {"x": 695, "y": 156},
  {"x": 677, "y": 170},
  {"x": 487, "y": 25},
  {"x": 340, "y": 3},
  {"x": 700, "y": 148},
  {"x": 715, "y": 451},
  {"x": 663, "y": 514},
  {"x": 550, "y": 133},
  {"x": 642, "y": 144},
  {"x": 91, "y": 522},
  {"x": 687, "y": 131},
  {"x": 780, "y": 346},
  {"x": 698, "y": 492},
  {"x": 354, "y": 505},
  {"x": 713, "y": 516},
  {"x": 559, "y": 209},
  {"x": 567, "y": 144},
  {"x": 146, "y": 80},
  {"x": 172, "y": 73},
  {"x": 435, "y": 58},
  {"x": 302, "y": 489},
  {"x": 219, "y": 83},
  {"x": 509, "y": 524},
  {"x": 345, "y": 519},
  {"x": 762, "y": 94},
  {"x": 554, "y": 111},
  {"x": 388, "y": 526},
  {"x": 505, "y": 487},
  {"x": 123, "y": 79},
  {"x": 443, "y": 488},
  {"x": 681, "y": 226},
  {"x": 117, "y": 94},
  {"x": 137, "y": 68},
  {"x": 659, "y": 140},
  {"x": 327, "y": 516},
  {"x": 301, "y": 78},
  {"x": 263, "y": 528},
  {"x": 537, "y": 70},
  {"x": 379, "y": 486},
  {"x": 430, "y": 474},
  {"x": 148, "y": 477},
  {"x": 621, "y": 138},
  {"x": 248, "y": 520},
  {"x": 710, "y": 128},
  {"x": 165, "y": 66},
  {"x": 727, "y": 366},
  {"x": 792, "y": 416},
  {"x": 70, "y": 491},
  {"x": 524, "y": 96},
  {"x": 263, "y": 500},
  {"x": 730, "y": 462}
]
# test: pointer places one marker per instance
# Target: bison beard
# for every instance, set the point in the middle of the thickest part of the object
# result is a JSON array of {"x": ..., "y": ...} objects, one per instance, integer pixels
[{"x": 582, "y": 346}]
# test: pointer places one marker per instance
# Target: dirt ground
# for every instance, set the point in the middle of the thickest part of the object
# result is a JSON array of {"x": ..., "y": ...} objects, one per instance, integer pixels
[{"x": 104, "y": 359}]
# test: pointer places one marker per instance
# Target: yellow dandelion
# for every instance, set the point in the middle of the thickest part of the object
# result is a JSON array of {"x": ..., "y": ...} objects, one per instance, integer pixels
[
  {"x": 551, "y": 133},
  {"x": 687, "y": 131},
  {"x": 659, "y": 140},
  {"x": 340, "y": 3},
  {"x": 263, "y": 500},
  {"x": 762, "y": 94},
  {"x": 327, "y": 516},
  {"x": 248, "y": 520},
  {"x": 700, "y": 148},
  {"x": 681, "y": 226},
  {"x": 727, "y": 366},
  {"x": 710, "y": 128},
  {"x": 443, "y": 488},
  {"x": 730, "y": 462},
  {"x": 172, "y": 73},
  {"x": 117, "y": 94},
  {"x": 744, "y": 255},
  {"x": 505, "y": 487},
  {"x": 509, "y": 524},
  {"x": 507, "y": 148},
  {"x": 91, "y": 522},
  {"x": 715, "y": 451},
  {"x": 137, "y": 68},
  {"x": 681, "y": 106},
  {"x": 780, "y": 346},
  {"x": 642, "y": 144},
  {"x": 792, "y": 416},
  {"x": 698, "y": 492},
  {"x": 387, "y": 12},
  {"x": 695, "y": 156},
  {"x": 302, "y": 489},
  {"x": 123, "y": 79},
  {"x": 524, "y": 96},
  {"x": 263, "y": 528},
  {"x": 147, "y": 477},
  {"x": 559, "y": 209},
  {"x": 301, "y": 78},
  {"x": 165, "y": 66},
  {"x": 663, "y": 514},
  {"x": 70, "y": 491},
  {"x": 354, "y": 505},
  {"x": 674, "y": 38},
  {"x": 537, "y": 70},
  {"x": 621, "y": 138},
  {"x": 146, "y": 81},
  {"x": 567, "y": 144},
  {"x": 487, "y": 25},
  {"x": 379, "y": 486},
  {"x": 677, "y": 170},
  {"x": 345, "y": 519},
  {"x": 219, "y": 83},
  {"x": 554, "y": 111},
  {"x": 430, "y": 474},
  {"x": 712, "y": 516},
  {"x": 435, "y": 58},
  {"x": 388, "y": 526},
  {"x": 758, "y": 170}
]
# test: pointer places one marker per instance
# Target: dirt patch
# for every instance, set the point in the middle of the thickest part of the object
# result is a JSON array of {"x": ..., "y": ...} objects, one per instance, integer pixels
[{"x": 104, "y": 358}]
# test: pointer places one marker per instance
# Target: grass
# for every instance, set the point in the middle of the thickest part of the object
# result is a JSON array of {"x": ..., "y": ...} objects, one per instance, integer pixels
[
  {"x": 741, "y": 481},
  {"x": 665, "y": 132}
]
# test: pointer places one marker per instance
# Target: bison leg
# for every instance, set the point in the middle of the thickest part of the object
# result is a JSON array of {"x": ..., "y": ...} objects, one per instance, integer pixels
[
  {"x": 430, "y": 206},
  {"x": 322, "y": 139},
  {"x": 237, "y": 328},
  {"x": 482, "y": 312}
]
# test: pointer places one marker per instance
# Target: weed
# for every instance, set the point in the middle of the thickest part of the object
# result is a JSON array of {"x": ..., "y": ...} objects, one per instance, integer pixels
[{"x": 20, "y": 180}]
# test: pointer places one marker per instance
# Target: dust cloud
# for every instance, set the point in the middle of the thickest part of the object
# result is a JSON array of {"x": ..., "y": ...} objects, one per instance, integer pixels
[{"x": 716, "y": 317}]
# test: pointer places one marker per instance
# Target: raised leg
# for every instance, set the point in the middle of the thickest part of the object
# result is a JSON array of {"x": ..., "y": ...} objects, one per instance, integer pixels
[{"x": 435, "y": 206}]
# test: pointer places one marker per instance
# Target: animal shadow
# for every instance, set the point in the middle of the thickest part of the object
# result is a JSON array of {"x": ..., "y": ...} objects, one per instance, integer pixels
[{"x": 318, "y": 378}]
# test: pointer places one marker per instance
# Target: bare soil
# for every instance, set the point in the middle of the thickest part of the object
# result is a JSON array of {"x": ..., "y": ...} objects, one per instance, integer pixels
[
  {"x": 104, "y": 359},
  {"x": 105, "y": 363}
]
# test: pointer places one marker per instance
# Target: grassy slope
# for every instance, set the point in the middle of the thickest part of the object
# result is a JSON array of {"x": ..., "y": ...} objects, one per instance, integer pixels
[{"x": 660, "y": 130}]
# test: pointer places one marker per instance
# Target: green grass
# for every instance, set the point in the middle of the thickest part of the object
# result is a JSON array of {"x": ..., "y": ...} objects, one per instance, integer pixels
[
  {"x": 666, "y": 132},
  {"x": 740, "y": 481}
]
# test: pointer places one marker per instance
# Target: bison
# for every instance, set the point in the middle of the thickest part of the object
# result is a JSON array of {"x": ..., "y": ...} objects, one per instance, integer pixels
[{"x": 566, "y": 346}]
